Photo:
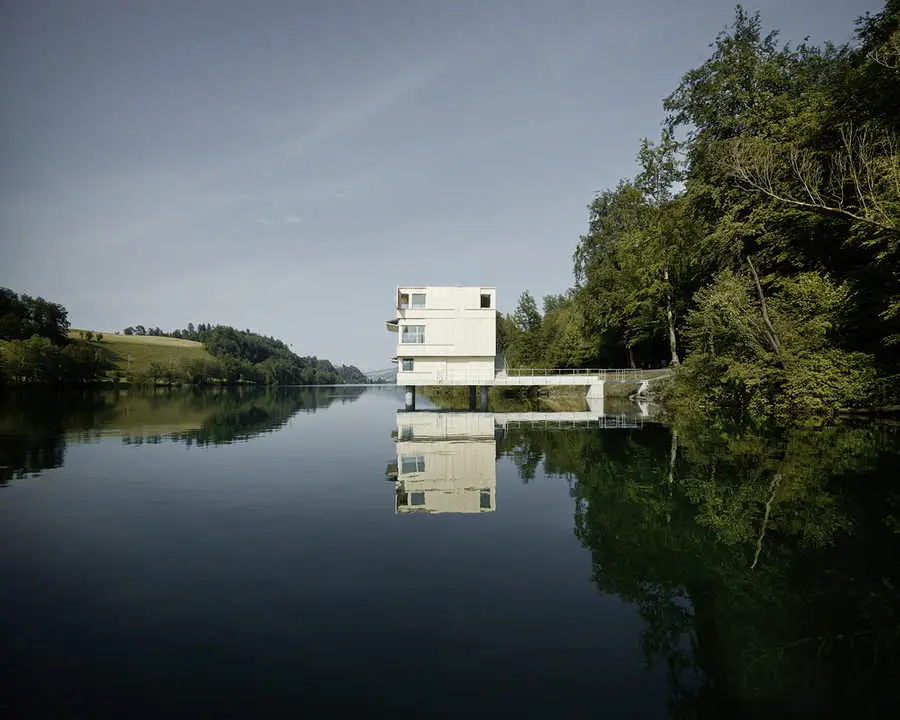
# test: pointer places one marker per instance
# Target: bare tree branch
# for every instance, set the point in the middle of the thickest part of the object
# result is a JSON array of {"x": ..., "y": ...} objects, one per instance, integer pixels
[
  {"x": 773, "y": 487},
  {"x": 860, "y": 181},
  {"x": 771, "y": 335},
  {"x": 888, "y": 55}
]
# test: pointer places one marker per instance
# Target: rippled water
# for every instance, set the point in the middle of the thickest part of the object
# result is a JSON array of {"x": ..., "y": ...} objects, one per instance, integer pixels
[{"x": 315, "y": 550}]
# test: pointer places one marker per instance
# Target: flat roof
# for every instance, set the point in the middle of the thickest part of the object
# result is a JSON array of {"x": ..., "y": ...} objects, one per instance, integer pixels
[{"x": 446, "y": 287}]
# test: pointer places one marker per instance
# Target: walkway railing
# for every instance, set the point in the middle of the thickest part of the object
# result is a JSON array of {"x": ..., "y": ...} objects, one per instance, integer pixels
[
  {"x": 609, "y": 374},
  {"x": 604, "y": 421}
]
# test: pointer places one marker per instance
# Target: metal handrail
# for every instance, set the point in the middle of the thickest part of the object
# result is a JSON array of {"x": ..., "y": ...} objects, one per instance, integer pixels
[
  {"x": 639, "y": 373},
  {"x": 585, "y": 375}
]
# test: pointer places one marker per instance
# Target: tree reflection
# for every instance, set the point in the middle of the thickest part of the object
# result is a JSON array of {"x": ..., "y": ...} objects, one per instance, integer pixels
[
  {"x": 37, "y": 424},
  {"x": 764, "y": 567}
]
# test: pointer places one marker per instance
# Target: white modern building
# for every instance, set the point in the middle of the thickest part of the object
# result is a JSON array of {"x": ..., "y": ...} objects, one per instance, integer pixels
[
  {"x": 448, "y": 336},
  {"x": 445, "y": 335}
]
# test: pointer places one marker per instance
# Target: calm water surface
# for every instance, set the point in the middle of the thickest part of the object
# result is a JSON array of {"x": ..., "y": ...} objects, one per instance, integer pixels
[{"x": 234, "y": 554}]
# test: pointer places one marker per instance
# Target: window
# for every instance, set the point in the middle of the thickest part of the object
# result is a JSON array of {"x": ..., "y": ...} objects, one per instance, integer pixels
[
  {"x": 413, "y": 335},
  {"x": 407, "y": 364},
  {"x": 417, "y": 498},
  {"x": 402, "y": 499},
  {"x": 407, "y": 300},
  {"x": 406, "y": 432},
  {"x": 485, "y": 300},
  {"x": 485, "y": 500},
  {"x": 412, "y": 463}
]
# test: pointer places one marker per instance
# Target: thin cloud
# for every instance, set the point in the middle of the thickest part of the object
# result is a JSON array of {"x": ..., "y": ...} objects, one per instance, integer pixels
[{"x": 286, "y": 220}]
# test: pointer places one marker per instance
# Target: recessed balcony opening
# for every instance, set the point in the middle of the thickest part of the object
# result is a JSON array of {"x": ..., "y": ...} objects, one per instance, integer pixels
[{"x": 406, "y": 300}]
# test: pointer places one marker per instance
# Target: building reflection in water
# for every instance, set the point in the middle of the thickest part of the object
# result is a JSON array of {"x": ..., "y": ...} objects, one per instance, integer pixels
[{"x": 446, "y": 462}]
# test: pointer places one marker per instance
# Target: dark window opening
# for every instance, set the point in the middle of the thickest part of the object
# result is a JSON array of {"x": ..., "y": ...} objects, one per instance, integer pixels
[
  {"x": 412, "y": 464},
  {"x": 485, "y": 300}
]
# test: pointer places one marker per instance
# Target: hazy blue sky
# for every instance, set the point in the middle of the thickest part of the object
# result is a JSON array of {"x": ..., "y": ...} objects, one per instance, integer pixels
[{"x": 282, "y": 166}]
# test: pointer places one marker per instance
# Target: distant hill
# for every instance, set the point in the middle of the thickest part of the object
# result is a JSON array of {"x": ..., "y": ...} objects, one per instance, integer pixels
[
  {"x": 132, "y": 355},
  {"x": 385, "y": 374},
  {"x": 38, "y": 345}
]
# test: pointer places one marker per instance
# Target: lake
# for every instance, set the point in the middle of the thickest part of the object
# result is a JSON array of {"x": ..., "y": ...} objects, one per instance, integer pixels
[{"x": 231, "y": 553}]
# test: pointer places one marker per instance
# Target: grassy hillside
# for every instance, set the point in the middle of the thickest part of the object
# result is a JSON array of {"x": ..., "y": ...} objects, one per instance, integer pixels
[{"x": 132, "y": 354}]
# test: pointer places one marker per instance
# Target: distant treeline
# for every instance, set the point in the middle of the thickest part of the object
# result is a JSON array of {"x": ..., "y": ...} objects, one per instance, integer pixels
[
  {"x": 250, "y": 357},
  {"x": 35, "y": 348}
]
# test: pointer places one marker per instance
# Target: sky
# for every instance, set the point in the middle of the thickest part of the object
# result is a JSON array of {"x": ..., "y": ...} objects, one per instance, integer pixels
[{"x": 283, "y": 165}]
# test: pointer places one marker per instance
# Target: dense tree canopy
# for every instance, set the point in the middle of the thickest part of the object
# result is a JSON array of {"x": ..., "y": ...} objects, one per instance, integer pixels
[
  {"x": 22, "y": 316},
  {"x": 759, "y": 242}
]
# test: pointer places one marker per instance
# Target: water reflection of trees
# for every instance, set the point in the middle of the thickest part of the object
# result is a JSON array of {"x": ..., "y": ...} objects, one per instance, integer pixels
[
  {"x": 37, "y": 424},
  {"x": 765, "y": 568}
]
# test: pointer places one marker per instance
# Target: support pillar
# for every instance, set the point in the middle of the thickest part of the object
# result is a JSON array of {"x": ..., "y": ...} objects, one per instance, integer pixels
[
  {"x": 596, "y": 396},
  {"x": 410, "y": 397},
  {"x": 484, "y": 395},
  {"x": 471, "y": 397}
]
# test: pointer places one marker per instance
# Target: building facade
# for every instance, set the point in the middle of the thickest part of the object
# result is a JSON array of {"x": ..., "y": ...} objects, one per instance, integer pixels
[{"x": 445, "y": 335}]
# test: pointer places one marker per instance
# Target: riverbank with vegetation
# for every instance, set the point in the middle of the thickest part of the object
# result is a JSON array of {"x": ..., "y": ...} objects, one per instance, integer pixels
[
  {"x": 757, "y": 247},
  {"x": 37, "y": 346}
]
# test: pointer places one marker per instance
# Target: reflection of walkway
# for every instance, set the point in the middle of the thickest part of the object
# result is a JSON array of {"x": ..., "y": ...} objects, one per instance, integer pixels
[{"x": 564, "y": 419}]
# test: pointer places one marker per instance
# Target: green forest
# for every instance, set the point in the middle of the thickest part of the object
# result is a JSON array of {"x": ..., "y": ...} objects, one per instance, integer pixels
[
  {"x": 36, "y": 346},
  {"x": 758, "y": 247}
]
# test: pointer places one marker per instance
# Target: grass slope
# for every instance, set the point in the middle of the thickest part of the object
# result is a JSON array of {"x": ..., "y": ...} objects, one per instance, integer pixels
[{"x": 132, "y": 354}]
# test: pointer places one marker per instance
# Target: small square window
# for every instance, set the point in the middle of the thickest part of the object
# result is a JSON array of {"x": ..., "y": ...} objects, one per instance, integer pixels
[
  {"x": 412, "y": 464},
  {"x": 412, "y": 334},
  {"x": 485, "y": 300},
  {"x": 485, "y": 500},
  {"x": 418, "y": 300},
  {"x": 407, "y": 364},
  {"x": 417, "y": 498}
]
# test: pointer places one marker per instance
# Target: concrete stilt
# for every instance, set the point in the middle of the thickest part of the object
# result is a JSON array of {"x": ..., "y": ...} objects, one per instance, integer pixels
[
  {"x": 595, "y": 405},
  {"x": 596, "y": 390},
  {"x": 596, "y": 397},
  {"x": 484, "y": 395},
  {"x": 410, "y": 397}
]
